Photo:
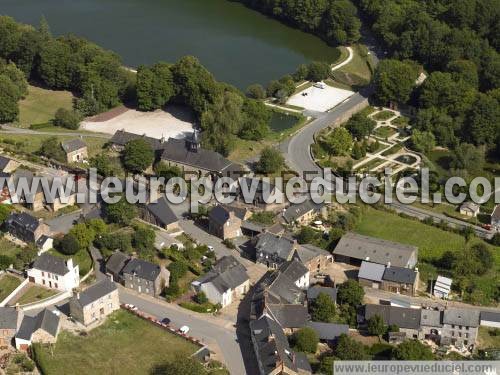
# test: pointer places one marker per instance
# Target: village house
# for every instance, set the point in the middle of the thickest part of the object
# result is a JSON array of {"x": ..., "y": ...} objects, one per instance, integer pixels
[
  {"x": 62, "y": 199},
  {"x": 115, "y": 264},
  {"x": 32, "y": 200},
  {"x": 54, "y": 273},
  {"x": 329, "y": 332},
  {"x": 273, "y": 353},
  {"x": 392, "y": 279},
  {"x": 314, "y": 291},
  {"x": 160, "y": 214},
  {"x": 460, "y": 327},
  {"x": 431, "y": 325},
  {"x": 10, "y": 321},
  {"x": 42, "y": 328},
  {"x": 120, "y": 139},
  {"x": 265, "y": 195},
  {"x": 225, "y": 282},
  {"x": 495, "y": 218},
  {"x": 408, "y": 320},
  {"x": 76, "y": 150},
  {"x": 8, "y": 165},
  {"x": 225, "y": 221},
  {"x": 304, "y": 213},
  {"x": 25, "y": 227},
  {"x": 297, "y": 272},
  {"x": 354, "y": 248},
  {"x": 145, "y": 277},
  {"x": 313, "y": 257},
  {"x": 273, "y": 250},
  {"x": 470, "y": 209},
  {"x": 95, "y": 303}
]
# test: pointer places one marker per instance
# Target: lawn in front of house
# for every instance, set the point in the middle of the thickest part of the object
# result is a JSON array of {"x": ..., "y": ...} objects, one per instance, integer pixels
[
  {"x": 36, "y": 293},
  {"x": 488, "y": 338},
  {"x": 8, "y": 248},
  {"x": 40, "y": 105},
  {"x": 123, "y": 344},
  {"x": 8, "y": 284}
]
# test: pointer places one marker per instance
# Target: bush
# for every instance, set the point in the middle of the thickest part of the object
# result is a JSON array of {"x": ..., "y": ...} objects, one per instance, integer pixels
[
  {"x": 201, "y": 298},
  {"x": 306, "y": 340},
  {"x": 177, "y": 270},
  {"x": 229, "y": 244},
  {"x": 67, "y": 119},
  {"x": 271, "y": 161},
  {"x": 256, "y": 91},
  {"x": 318, "y": 71},
  {"x": 69, "y": 245},
  {"x": 5, "y": 261}
]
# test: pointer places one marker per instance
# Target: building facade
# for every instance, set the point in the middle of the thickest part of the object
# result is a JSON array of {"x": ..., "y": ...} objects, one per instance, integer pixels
[{"x": 54, "y": 273}]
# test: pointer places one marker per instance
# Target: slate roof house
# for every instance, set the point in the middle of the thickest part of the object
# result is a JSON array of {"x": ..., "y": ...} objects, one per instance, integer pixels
[
  {"x": 274, "y": 355},
  {"x": 120, "y": 139},
  {"x": 314, "y": 291},
  {"x": 297, "y": 272},
  {"x": 460, "y": 327},
  {"x": 42, "y": 328},
  {"x": 145, "y": 277},
  {"x": 95, "y": 303},
  {"x": 354, "y": 248},
  {"x": 329, "y": 332},
  {"x": 160, "y": 214},
  {"x": 76, "y": 150},
  {"x": 25, "y": 227},
  {"x": 263, "y": 194},
  {"x": 54, "y": 273},
  {"x": 33, "y": 201},
  {"x": 304, "y": 213},
  {"x": 313, "y": 257},
  {"x": 10, "y": 321},
  {"x": 115, "y": 264},
  {"x": 393, "y": 279},
  {"x": 431, "y": 324},
  {"x": 224, "y": 222},
  {"x": 273, "y": 250},
  {"x": 408, "y": 320},
  {"x": 225, "y": 282}
]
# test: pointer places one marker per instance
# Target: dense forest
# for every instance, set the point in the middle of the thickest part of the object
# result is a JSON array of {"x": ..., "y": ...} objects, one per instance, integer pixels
[
  {"x": 335, "y": 21},
  {"x": 100, "y": 82},
  {"x": 457, "y": 44}
]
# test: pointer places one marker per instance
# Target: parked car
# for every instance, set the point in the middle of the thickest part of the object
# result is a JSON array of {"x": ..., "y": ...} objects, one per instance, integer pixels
[
  {"x": 165, "y": 321},
  {"x": 319, "y": 85},
  {"x": 184, "y": 330}
]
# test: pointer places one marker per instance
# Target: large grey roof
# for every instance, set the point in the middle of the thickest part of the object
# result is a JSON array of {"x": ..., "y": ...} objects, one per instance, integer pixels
[
  {"x": 295, "y": 211},
  {"x": 227, "y": 273},
  {"x": 177, "y": 151},
  {"x": 400, "y": 316},
  {"x": 8, "y": 318},
  {"x": 51, "y": 263},
  {"x": 162, "y": 211},
  {"x": 400, "y": 275},
  {"x": 122, "y": 137},
  {"x": 73, "y": 145},
  {"x": 274, "y": 245},
  {"x": 95, "y": 292},
  {"x": 293, "y": 269},
  {"x": 142, "y": 269},
  {"x": 431, "y": 318},
  {"x": 219, "y": 214},
  {"x": 371, "y": 271},
  {"x": 272, "y": 345},
  {"x": 490, "y": 316},
  {"x": 117, "y": 261},
  {"x": 374, "y": 250},
  {"x": 329, "y": 331},
  {"x": 289, "y": 316},
  {"x": 24, "y": 220},
  {"x": 314, "y": 291},
  {"x": 45, "y": 320},
  {"x": 307, "y": 252},
  {"x": 463, "y": 317}
]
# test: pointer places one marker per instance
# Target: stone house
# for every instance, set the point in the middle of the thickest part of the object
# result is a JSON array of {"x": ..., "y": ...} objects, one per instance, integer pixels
[
  {"x": 115, "y": 264},
  {"x": 76, "y": 150},
  {"x": 145, "y": 277},
  {"x": 54, "y": 273},
  {"x": 10, "y": 321},
  {"x": 392, "y": 279},
  {"x": 224, "y": 222},
  {"x": 407, "y": 319},
  {"x": 273, "y": 250},
  {"x": 304, "y": 213},
  {"x": 160, "y": 214},
  {"x": 431, "y": 325},
  {"x": 225, "y": 282},
  {"x": 42, "y": 328},
  {"x": 95, "y": 303},
  {"x": 34, "y": 201},
  {"x": 313, "y": 257},
  {"x": 25, "y": 227},
  {"x": 460, "y": 327}
]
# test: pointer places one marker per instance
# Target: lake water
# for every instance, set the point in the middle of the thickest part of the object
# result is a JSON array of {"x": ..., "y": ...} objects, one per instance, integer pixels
[
  {"x": 238, "y": 45},
  {"x": 281, "y": 121}
]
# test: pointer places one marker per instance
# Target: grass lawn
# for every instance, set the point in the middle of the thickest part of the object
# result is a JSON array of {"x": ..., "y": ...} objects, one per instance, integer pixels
[
  {"x": 30, "y": 144},
  {"x": 383, "y": 115},
  {"x": 357, "y": 72},
  {"x": 40, "y": 105},
  {"x": 123, "y": 342},
  {"x": 35, "y": 293},
  {"x": 7, "y": 285},
  {"x": 431, "y": 241},
  {"x": 488, "y": 338},
  {"x": 401, "y": 121},
  {"x": 82, "y": 258},
  {"x": 8, "y": 248},
  {"x": 384, "y": 131}
]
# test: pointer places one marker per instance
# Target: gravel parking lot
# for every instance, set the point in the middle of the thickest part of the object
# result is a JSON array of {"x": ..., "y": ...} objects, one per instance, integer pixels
[{"x": 319, "y": 99}]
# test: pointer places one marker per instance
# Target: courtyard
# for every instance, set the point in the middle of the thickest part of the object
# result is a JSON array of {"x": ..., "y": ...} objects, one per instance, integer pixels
[{"x": 319, "y": 99}]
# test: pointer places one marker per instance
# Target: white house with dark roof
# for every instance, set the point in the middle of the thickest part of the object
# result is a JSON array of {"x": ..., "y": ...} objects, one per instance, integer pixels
[
  {"x": 54, "y": 273},
  {"x": 354, "y": 248},
  {"x": 225, "y": 282},
  {"x": 296, "y": 272},
  {"x": 95, "y": 303},
  {"x": 42, "y": 328}
]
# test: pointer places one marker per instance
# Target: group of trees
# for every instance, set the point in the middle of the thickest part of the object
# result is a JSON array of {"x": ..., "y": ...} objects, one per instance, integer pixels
[
  {"x": 335, "y": 21},
  {"x": 81, "y": 236},
  {"x": 223, "y": 111},
  {"x": 65, "y": 63},
  {"x": 13, "y": 87}
]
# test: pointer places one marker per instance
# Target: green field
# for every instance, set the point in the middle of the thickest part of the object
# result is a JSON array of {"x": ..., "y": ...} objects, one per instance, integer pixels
[
  {"x": 40, "y": 105},
  {"x": 124, "y": 344},
  {"x": 488, "y": 338},
  {"x": 431, "y": 241},
  {"x": 35, "y": 293},
  {"x": 8, "y": 248},
  {"x": 383, "y": 115},
  {"x": 7, "y": 285}
]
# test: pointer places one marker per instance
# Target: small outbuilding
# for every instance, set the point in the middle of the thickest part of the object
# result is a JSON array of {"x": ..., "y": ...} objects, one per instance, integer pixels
[
  {"x": 470, "y": 209},
  {"x": 442, "y": 287}
]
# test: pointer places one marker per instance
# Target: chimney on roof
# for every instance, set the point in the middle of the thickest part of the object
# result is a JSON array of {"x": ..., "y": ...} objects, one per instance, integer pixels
[
  {"x": 17, "y": 306},
  {"x": 78, "y": 295},
  {"x": 69, "y": 264},
  {"x": 389, "y": 264}
]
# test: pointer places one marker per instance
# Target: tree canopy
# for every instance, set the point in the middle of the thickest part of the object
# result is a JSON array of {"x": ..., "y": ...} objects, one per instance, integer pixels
[{"x": 137, "y": 155}]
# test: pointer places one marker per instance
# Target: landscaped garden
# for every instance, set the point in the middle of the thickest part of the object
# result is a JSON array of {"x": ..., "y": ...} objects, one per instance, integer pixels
[
  {"x": 125, "y": 343},
  {"x": 35, "y": 293},
  {"x": 8, "y": 284}
]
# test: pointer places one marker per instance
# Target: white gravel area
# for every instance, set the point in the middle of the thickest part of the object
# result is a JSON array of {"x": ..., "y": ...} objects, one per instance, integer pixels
[
  {"x": 319, "y": 99},
  {"x": 175, "y": 122}
]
